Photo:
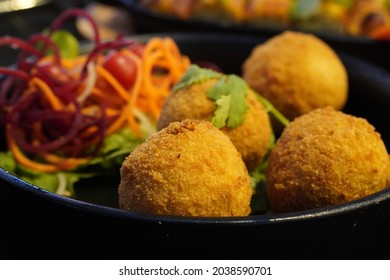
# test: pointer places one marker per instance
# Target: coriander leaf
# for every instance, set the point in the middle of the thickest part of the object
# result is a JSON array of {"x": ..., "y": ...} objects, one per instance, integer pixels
[
  {"x": 221, "y": 114},
  {"x": 270, "y": 109},
  {"x": 194, "y": 75},
  {"x": 230, "y": 111}
]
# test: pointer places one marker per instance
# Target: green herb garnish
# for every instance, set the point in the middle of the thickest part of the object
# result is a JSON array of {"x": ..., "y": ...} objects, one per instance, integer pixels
[
  {"x": 270, "y": 109},
  {"x": 230, "y": 96},
  {"x": 195, "y": 75}
]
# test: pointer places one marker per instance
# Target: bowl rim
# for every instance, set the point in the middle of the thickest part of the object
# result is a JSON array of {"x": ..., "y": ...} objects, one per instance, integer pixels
[{"x": 118, "y": 213}]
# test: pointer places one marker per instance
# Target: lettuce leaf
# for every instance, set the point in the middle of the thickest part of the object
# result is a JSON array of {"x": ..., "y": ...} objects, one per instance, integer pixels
[
  {"x": 106, "y": 163},
  {"x": 67, "y": 43}
]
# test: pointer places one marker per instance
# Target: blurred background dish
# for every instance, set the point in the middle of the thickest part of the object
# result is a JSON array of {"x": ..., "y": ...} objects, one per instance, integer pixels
[
  {"x": 111, "y": 21},
  {"x": 129, "y": 16},
  {"x": 365, "y": 18},
  {"x": 148, "y": 17}
]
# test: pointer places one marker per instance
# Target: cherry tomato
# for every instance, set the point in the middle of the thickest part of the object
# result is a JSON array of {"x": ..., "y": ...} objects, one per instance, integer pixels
[{"x": 121, "y": 67}]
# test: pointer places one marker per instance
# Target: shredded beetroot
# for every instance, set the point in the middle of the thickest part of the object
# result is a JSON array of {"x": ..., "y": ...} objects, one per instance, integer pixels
[
  {"x": 57, "y": 23},
  {"x": 17, "y": 43},
  {"x": 59, "y": 127},
  {"x": 34, "y": 124},
  {"x": 48, "y": 43},
  {"x": 99, "y": 48}
]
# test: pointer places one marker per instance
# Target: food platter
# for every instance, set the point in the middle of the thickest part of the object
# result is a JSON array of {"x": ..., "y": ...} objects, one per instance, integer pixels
[
  {"x": 40, "y": 224},
  {"x": 145, "y": 21},
  {"x": 260, "y": 18}
]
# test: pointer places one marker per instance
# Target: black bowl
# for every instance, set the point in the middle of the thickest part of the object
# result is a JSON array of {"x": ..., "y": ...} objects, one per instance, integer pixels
[{"x": 39, "y": 224}]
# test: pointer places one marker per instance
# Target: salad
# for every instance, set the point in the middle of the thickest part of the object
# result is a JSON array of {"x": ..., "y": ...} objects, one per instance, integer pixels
[{"x": 68, "y": 114}]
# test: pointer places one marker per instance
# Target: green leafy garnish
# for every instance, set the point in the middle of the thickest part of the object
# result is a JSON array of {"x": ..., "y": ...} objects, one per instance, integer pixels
[
  {"x": 67, "y": 43},
  {"x": 114, "y": 150},
  {"x": 230, "y": 96},
  {"x": 61, "y": 183},
  {"x": 221, "y": 114},
  {"x": 304, "y": 9},
  {"x": 194, "y": 75},
  {"x": 259, "y": 201},
  {"x": 107, "y": 163}
]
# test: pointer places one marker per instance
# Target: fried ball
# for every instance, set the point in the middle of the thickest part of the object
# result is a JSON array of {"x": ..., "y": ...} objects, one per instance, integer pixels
[
  {"x": 326, "y": 157},
  {"x": 297, "y": 73},
  {"x": 189, "y": 168},
  {"x": 252, "y": 138}
]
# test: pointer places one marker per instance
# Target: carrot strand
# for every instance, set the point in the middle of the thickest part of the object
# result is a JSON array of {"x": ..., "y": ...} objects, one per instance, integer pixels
[{"x": 157, "y": 68}]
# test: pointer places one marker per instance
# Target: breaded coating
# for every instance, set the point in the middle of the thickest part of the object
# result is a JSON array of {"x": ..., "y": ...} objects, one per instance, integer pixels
[
  {"x": 326, "y": 157},
  {"x": 297, "y": 73},
  {"x": 189, "y": 168},
  {"x": 252, "y": 138}
]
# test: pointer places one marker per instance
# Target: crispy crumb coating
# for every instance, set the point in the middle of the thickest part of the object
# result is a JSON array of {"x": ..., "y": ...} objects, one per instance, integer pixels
[
  {"x": 326, "y": 157},
  {"x": 189, "y": 168},
  {"x": 297, "y": 72},
  {"x": 252, "y": 138}
]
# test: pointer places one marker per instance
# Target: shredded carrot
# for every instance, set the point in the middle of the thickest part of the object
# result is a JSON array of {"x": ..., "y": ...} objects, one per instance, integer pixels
[
  {"x": 22, "y": 159},
  {"x": 137, "y": 83},
  {"x": 64, "y": 163},
  {"x": 100, "y": 95},
  {"x": 113, "y": 82},
  {"x": 160, "y": 53},
  {"x": 158, "y": 68},
  {"x": 48, "y": 93}
]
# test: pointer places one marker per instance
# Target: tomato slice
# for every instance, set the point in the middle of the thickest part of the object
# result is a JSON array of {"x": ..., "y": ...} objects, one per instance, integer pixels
[{"x": 122, "y": 67}]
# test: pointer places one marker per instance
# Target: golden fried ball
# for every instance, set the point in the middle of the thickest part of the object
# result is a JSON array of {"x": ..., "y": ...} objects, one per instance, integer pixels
[
  {"x": 252, "y": 138},
  {"x": 189, "y": 168},
  {"x": 297, "y": 72},
  {"x": 326, "y": 157}
]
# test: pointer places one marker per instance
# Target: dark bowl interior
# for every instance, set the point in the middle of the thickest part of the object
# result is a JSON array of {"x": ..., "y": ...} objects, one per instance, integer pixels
[{"x": 39, "y": 224}]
